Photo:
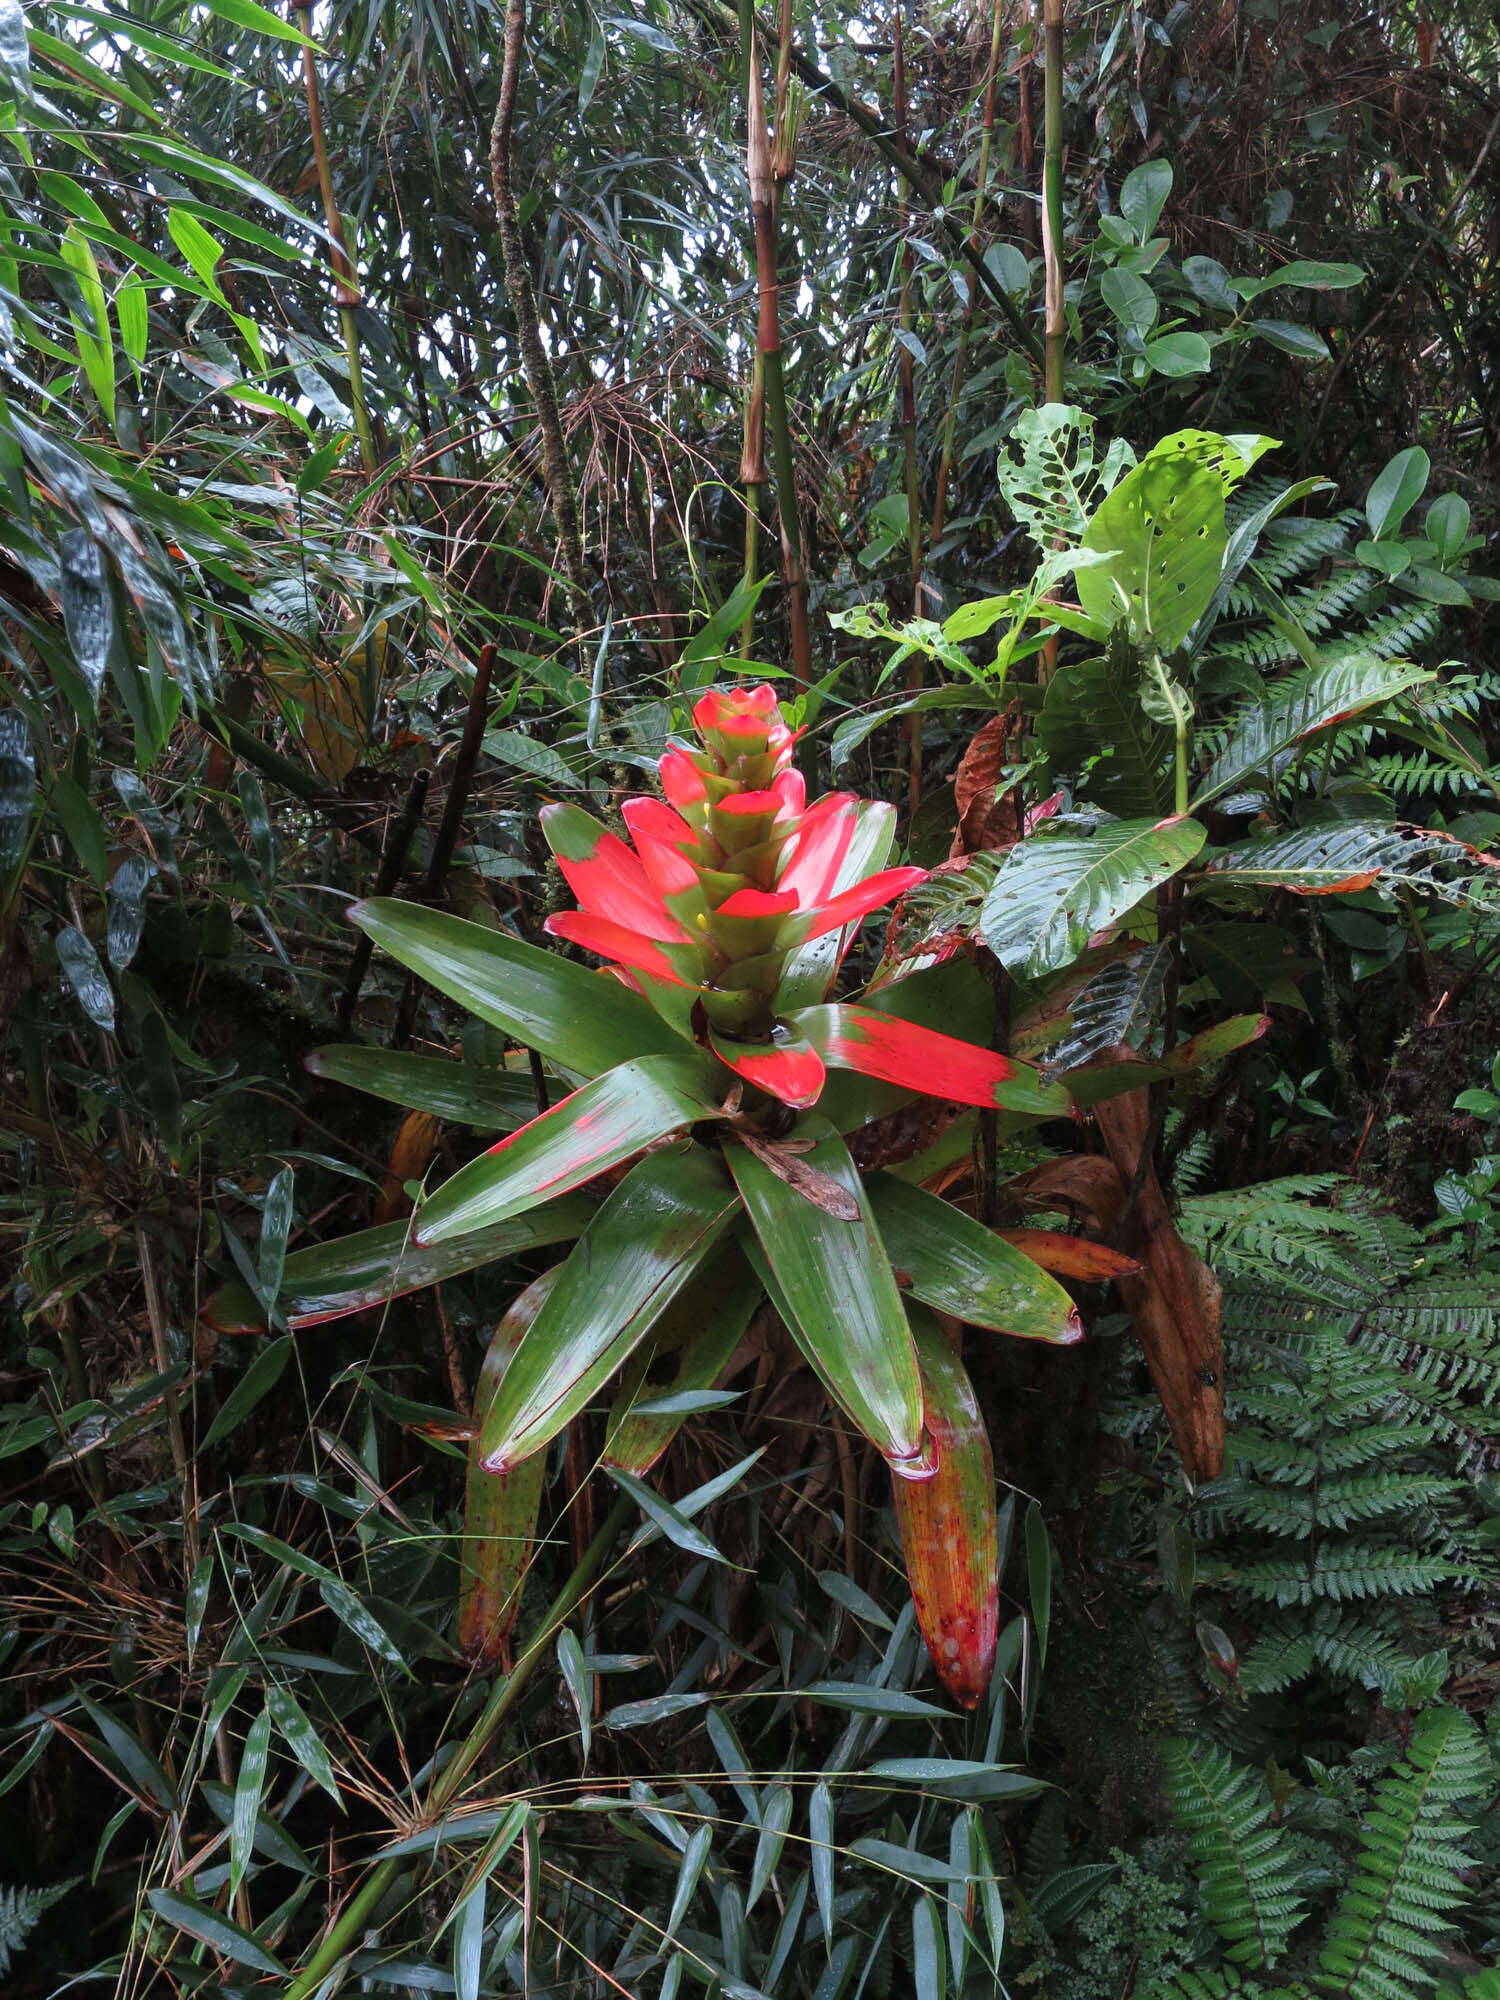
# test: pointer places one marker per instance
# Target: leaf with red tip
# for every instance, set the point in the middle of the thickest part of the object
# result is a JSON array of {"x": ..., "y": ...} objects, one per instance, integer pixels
[
  {"x": 758, "y": 903},
  {"x": 588, "y": 1132},
  {"x": 851, "y": 904},
  {"x": 677, "y": 964},
  {"x": 878, "y": 1044},
  {"x": 690, "y": 1345},
  {"x": 563, "y": 1011},
  {"x": 681, "y": 780},
  {"x": 835, "y": 1279},
  {"x": 788, "y": 1066},
  {"x": 958, "y": 1266},
  {"x": 950, "y": 1533},
  {"x": 374, "y": 1266},
  {"x": 605, "y": 875},
  {"x": 500, "y": 1508},
  {"x": 636, "y": 1255}
]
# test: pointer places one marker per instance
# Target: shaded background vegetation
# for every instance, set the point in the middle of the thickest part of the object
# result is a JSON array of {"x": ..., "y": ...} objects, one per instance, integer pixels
[{"x": 236, "y": 635}]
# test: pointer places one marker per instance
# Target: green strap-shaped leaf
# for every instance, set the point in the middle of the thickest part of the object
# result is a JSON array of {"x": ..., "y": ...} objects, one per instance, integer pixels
[
  {"x": 591, "y": 1130},
  {"x": 500, "y": 1508},
  {"x": 636, "y": 1255},
  {"x": 689, "y": 1345},
  {"x": 581, "y": 1020},
  {"x": 376, "y": 1265},
  {"x": 1052, "y": 894},
  {"x": 834, "y": 1281},
  {"x": 1300, "y": 706},
  {"x": 958, "y": 1266},
  {"x": 489, "y": 1100}
]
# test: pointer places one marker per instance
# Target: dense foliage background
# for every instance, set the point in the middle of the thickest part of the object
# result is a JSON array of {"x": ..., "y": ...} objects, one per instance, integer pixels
[{"x": 297, "y": 480}]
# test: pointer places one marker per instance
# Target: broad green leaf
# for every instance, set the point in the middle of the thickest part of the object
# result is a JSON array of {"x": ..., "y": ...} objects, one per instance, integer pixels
[
  {"x": 1299, "y": 341},
  {"x": 584, "y": 1021},
  {"x": 131, "y": 312},
  {"x": 1163, "y": 531},
  {"x": 637, "y": 1253},
  {"x": 1296, "y": 708},
  {"x": 202, "y": 250},
  {"x": 1395, "y": 490},
  {"x": 351, "y": 1610},
  {"x": 1143, "y": 196},
  {"x": 842, "y": 1303},
  {"x": 486, "y": 1099},
  {"x": 616, "y": 1116},
  {"x": 1051, "y": 895},
  {"x": 91, "y": 329},
  {"x": 958, "y": 1266},
  {"x": 199, "y": 1920},
  {"x": 1307, "y": 276},
  {"x": 140, "y": 1766},
  {"x": 1178, "y": 354},
  {"x": 83, "y": 826},
  {"x": 1130, "y": 299},
  {"x": 1447, "y": 526},
  {"x": 257, "y": 1382},
  {"x": 1337, "y": 858},
  {"x": 376, "y": 1265},
  {"x": 15, "y": 52}
]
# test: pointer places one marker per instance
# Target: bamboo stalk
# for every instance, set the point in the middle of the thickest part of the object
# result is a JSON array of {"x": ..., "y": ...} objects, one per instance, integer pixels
[
  {"x": 1052, "y": 206},
  {"x": 346, "y": 283},
  {"x": 906, "y": 373},
  {"x": 768, "y": 339},
  {"x": 960, "y": 359},
  {"x": 753, "y": 479},
  {"x": 534, "y": 359}
]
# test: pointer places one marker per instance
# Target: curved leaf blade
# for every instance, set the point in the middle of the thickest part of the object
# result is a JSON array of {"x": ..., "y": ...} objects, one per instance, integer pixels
[
  {"x": 581, "y": 1020},
  {"x": 958, "y": 1266},
  {"x": 636, "y": 1255},
  {"x": 462, "y": 1093},
  {"x": 591, "y": 1130},
  {"x": 376, "y": 1265},
  {"x": 702, "y": 1328},
  {"x": 835, "y": 1280},
  {"x": 1299, "y": 707},
  {"x": 879, "y": 1045}
]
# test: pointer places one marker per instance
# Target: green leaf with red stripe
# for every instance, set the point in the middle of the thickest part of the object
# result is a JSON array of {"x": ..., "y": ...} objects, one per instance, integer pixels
[
  {"x": 787, "y": 1066},
  {"x": 958, "y": 1266},
  {"x": 374, "y": 1266},
  {"x": 834, "y": 1280},
  {"x": 1093, "y": 1083},
  {"x": 950, "y": 1533},
  {"x": 500, "y": 1508},
  {"x": 638, "y": 1252},
  {"x": 584, "y": 1021},
  {"x": 879, "y": 1045},
  {"x": 591, "y": 1130}
]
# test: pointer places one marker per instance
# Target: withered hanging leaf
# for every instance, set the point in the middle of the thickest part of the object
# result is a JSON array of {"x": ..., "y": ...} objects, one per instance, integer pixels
[{"x": 821, "y": 1189}]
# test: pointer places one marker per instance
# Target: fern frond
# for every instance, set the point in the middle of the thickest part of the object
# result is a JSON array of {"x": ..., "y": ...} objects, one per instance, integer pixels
[
  {"x": 1338, "y": 1503},
  {"x": 21, "y": 1910},
  {"x": 1247, "y": 1873},
  {"x": 1385, "y": 1932},
  {"x": 1343, "y": 1573}
]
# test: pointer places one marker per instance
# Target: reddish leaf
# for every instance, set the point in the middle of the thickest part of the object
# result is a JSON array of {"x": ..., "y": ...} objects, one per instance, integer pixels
[
  {"x": 788, "y": 1067},
  {"x": 949, "y": 1529},
  {"x": 1070, "y": 1256},
  {"x": 677, "y": 964},
  {"x": 852, "y": 904},
  {"x": 606, "y": 877},
  {"x": 896, "y": 1051},
  {"x": 408, "y": 1162}
]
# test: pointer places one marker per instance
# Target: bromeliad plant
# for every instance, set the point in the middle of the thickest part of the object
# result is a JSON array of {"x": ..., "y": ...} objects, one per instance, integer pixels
[{"x": 701, "y": 1162}]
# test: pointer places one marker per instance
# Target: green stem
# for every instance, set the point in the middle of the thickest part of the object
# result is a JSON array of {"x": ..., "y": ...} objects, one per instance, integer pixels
[{"x": 352, "y": 1918}]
